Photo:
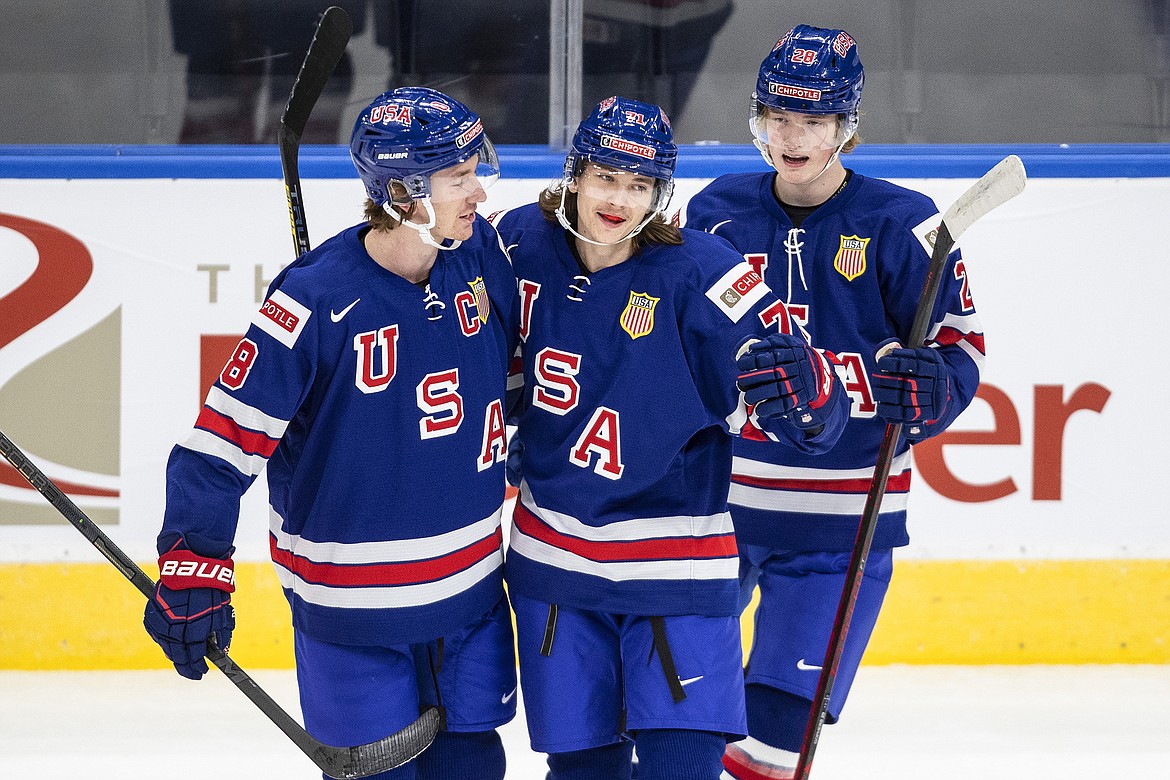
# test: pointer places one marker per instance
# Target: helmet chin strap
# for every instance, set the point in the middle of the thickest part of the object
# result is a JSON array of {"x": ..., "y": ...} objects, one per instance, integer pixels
[
  {"x": 424, "y": 231},
  {"x": 564, "y": 220},
  {"x": 832, "y": 159}
]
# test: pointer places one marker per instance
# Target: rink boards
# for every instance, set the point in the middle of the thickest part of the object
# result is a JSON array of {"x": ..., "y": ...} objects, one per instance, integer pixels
[{"x": 1039, "y": 531}]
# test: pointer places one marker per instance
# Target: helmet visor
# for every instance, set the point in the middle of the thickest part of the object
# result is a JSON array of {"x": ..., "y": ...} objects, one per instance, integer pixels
[
  {"x": 463, "y": 180},
  {"x": 793, "y": 132},
  {"x": 623, "y": 188}
]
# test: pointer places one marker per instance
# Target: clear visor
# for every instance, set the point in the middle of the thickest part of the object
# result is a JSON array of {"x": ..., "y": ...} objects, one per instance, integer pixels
[
  {"x": 466, "y": 179},
  {"x": 622, "y": 188},
  {"x": 791, "y": 132}
]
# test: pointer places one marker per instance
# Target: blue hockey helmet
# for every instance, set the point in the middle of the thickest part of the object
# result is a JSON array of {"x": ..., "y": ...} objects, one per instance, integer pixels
[
  {"x": 811, "y": 70},
  {"x": 407, "y": 134},
  {"x": 626, "y": 134}
]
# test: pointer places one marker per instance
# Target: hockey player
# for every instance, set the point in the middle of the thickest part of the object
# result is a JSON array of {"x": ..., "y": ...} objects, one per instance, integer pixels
[
  {"x": 849, "y": 255},
  {"x": 622, "y": 564},
  {"x": 371, "y": 383}
]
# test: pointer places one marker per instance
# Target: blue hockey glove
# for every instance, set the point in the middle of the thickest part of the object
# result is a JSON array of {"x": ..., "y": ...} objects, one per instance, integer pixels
[
  {"x": 512, "y": 466},
  {"x": 912, "y": 386},
  {"x": 784, "y": 378},
  {"x": 191, "y": 603}
]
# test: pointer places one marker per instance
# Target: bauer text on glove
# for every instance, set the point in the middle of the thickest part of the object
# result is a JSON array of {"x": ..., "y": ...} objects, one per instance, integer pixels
[{"x": 191, "y": 603}]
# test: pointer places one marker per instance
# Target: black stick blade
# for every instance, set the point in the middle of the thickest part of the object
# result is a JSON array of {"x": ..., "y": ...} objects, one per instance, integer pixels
[
  {"x": 324, "y": 53},
  {"x": 383, "y": 755}
]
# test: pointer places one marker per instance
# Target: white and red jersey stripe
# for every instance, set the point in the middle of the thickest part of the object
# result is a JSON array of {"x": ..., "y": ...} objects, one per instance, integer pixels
[
  {"x": 823, "y": 491},
  {"x": 649, "y": 548},
  {"x": 231, "y": 430},
  {"x": 964, "y": 330},
  {"x": 386, "y": 574}
]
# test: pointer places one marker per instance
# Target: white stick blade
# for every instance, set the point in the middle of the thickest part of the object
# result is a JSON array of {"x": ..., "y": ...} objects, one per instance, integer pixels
[{"x": 999, "y": 185}]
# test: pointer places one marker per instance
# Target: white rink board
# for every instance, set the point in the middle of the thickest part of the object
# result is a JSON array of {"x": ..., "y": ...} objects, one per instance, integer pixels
[{"x": 1066, "y": 278}]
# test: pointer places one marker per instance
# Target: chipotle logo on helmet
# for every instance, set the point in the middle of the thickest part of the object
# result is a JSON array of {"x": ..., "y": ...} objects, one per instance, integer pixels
[
  {"x": 788, "y": 90},
  {"x": 622, "y": 145},
  {"x": 469, "y": 135}
]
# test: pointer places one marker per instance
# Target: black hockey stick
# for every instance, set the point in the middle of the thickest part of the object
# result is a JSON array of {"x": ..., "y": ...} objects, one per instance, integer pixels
[
  {"x": 324, "y": 53},
  {"x": 996, "y": 187},
  {"x": 338, "y": 762}
]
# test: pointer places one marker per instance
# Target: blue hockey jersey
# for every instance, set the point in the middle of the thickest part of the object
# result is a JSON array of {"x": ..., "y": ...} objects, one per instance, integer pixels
[
  {"x": 377, "y": 407},
  {"x": 627, "y": 417},
  {"x": 851, "y": 275}
]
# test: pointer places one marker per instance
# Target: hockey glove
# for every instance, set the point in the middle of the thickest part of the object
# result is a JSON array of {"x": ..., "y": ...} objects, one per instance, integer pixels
[
  {"x": 190, "y": 604},
  {"x": 784, "y": 378},
  {"x": 912, "y": 386}
]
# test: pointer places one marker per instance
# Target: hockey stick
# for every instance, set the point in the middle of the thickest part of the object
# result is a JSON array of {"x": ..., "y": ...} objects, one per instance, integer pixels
[
  {"x": 324, "y": 53},
  {"x": 996, "y": 187},
  {"x": 338, "y": 762}
]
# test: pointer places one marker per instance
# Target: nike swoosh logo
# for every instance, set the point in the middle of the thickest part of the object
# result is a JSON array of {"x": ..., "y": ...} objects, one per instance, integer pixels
[
  {"x": 717, "y": 226},
  {"x": 689, "y": 680},
  {"x": 507, "y": 697},
  {"x": 337, "y": 316},
  {"x": 802, "y": 666}
]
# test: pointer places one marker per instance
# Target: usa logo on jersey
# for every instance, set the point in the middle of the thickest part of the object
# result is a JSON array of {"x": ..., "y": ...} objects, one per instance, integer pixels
[
  {"x": 638, "y": 317},
  {"x": 482, "y": 302},
  {"x": 850, "y": 259}
]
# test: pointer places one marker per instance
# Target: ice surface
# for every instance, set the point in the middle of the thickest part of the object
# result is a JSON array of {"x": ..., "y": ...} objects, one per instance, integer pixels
[{"x": 902, "y": 723}]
